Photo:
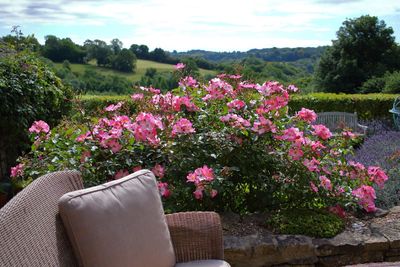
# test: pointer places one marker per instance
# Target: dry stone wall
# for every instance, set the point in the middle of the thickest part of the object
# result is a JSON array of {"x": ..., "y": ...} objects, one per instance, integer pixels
[{"x": 375, "y": 241}]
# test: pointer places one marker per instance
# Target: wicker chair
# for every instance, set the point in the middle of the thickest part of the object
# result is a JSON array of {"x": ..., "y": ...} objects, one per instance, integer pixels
[{"x": 32, "y": 233}]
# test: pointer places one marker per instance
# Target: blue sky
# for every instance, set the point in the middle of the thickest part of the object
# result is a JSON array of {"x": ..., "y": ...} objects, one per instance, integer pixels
[{"x": 216, "y": 25}]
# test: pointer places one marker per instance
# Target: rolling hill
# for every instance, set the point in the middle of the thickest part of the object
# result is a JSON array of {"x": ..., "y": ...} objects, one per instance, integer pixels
[{"x": 141, "y": 66}]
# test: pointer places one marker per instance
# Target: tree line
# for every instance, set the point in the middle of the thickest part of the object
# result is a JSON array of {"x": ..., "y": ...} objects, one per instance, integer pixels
[{"x": 364, "y": 58}]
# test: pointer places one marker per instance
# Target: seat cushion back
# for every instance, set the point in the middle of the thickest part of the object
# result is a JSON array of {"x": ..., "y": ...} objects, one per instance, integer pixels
[
  {"x": 120, "y": 223},
  {"x": 31, "y": 232}
]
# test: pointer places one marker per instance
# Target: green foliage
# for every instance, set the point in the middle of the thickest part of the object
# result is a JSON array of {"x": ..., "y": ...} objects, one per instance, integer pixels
[
  {"x": 165, "y": 80},
  {"x": 315, "y": 223},
  {"x": 29, "y": 91},
  {"x": 141, "y": 51},
  {"x": 124, "y": 61},
  {"x": 92, "y": 81},
  {"x": 392, "y": 83},
  {"x": 20, "y": 42},
  {"x": 257, "y": 70},
  {"x": 373, "y": 85},
  {"x": 58, "y": 50},
  {"x": 364, "y": 48},
  {"x": 267, "y": 54},
  {"x": 191, "y": 68},
  {"x": 367, "y": 106}
]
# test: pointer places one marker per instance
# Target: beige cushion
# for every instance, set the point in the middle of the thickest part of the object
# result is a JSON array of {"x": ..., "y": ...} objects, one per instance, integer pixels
[
  {"x": 120, "y": 223},
  {"x": 204, "y": 263}
]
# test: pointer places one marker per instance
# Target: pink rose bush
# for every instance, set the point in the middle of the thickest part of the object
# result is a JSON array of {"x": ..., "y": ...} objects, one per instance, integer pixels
[{"x": 223, "y": 145}]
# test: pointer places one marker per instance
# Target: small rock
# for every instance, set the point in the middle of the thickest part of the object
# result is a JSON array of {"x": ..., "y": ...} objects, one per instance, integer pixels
[
  {"x": 395, "y": 209},
  {"x": 380, "y": 213},
  {"x": 358, "y": 226}
]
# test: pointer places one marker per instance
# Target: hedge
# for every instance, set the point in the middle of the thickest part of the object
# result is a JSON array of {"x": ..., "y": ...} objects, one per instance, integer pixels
[
  {"x": 94, "y": 105},
  {"x": 367, "y": 106}
]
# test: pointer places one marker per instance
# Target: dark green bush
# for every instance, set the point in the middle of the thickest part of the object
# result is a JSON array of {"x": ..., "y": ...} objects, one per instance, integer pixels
[
  {"x": 315, "y": 223},
  {"x": 29, "y": 91},
  {"x": 373, "y": 85}
]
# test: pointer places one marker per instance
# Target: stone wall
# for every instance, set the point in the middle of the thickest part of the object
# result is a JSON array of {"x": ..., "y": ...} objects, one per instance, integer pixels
[{"x": 374, "y": 241}]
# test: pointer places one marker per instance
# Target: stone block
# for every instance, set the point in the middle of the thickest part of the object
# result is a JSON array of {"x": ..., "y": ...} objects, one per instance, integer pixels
[{"x": 393, "y": 252}]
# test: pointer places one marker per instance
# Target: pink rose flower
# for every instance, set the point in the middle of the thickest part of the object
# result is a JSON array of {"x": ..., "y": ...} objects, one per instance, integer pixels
[
  {"x": 321, "y": 131},
  {"x": 114, "y": 107},
  {"x": 39, "y": 127},
  {"x": 325, "y": 182},
  {"x": 121, "y": 173},
  {"x": 366, "y": 196},
  {"x": 377, "y": 175},
  {"x": 163, "y": 189},
  {"x": 182, "y": 126},
  {"x": 158, "y": 171},
  {"x": 180, "y": 66},
  {"x": 307, "y": 115},
  {"x": 137, "y": 97},
  {"x": 198, "y": 194},
  {"x": 17, "y": 170}
]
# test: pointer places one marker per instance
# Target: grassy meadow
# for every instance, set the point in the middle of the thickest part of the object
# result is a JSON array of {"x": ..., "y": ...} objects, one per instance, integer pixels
[{"x": 141, "y": 66}]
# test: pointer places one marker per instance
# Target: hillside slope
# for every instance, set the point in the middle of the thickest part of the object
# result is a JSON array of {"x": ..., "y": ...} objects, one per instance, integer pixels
[{"x": 141, "y": 66}]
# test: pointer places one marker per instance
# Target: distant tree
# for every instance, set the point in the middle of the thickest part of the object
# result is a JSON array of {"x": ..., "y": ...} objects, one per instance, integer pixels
[
  {"x": 158, "y": 55},
  {"x": 98, "y": 50},
  {"x": 124, "y": 61},
  {"x": 59, "y": 50},
  {"x": 141, "y": 51},
  {"x": 116, "y": 45},
  {"x": 364, "y": 48}
]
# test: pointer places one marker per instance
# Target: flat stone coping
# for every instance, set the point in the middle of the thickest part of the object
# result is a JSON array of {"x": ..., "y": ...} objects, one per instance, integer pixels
[{"x": 375, "y": 241}]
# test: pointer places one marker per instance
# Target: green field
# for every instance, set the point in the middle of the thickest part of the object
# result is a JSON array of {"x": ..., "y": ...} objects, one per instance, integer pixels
[{"x": 141, "y": 66}]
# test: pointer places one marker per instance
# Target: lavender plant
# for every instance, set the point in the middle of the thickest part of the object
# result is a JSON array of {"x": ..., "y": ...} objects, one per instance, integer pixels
[{"x": 382, "y": 149}]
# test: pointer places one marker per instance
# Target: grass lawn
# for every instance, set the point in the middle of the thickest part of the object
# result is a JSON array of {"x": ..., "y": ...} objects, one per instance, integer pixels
[{"x": 141, "y": 66}]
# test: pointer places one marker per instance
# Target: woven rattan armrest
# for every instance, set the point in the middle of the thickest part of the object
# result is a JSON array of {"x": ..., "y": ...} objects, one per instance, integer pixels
[{"x": 196, "y": 235}]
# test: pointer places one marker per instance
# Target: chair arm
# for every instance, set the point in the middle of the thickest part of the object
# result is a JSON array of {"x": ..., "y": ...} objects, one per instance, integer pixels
[
  {"x": 364, "y": 128},
  {"x": 196, "y": 235}
]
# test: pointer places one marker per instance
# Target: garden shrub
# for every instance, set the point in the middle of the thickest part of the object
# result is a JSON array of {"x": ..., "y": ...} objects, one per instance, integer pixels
[
  {"x": 29, "y": 91},
  {"x": 224, "y": 145},
  {"x": 315, "y": 223}
]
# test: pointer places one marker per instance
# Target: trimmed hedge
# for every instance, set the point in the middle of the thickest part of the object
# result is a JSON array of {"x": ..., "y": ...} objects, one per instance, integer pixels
[{"x": 367, "y": 106}]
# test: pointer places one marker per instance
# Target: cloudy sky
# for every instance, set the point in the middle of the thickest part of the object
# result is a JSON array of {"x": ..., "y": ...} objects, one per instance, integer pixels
[{"x": 217, "y": 25}]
